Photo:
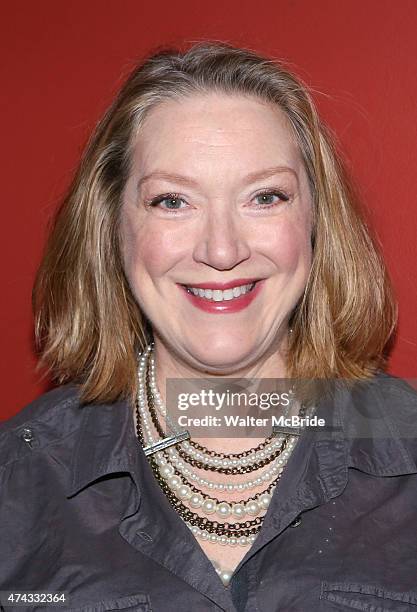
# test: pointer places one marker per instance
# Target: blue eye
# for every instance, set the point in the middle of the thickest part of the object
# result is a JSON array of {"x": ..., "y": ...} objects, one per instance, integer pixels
[
  {"x": 170, "y": 201},
  {"x": 271, "y": 198}
]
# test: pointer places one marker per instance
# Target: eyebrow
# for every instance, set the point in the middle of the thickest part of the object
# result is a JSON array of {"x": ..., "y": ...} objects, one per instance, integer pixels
[{"x": 252, "y": 177}]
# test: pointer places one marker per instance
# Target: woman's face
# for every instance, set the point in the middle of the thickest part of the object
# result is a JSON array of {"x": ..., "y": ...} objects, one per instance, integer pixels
[{"x": 217, "y": 197}]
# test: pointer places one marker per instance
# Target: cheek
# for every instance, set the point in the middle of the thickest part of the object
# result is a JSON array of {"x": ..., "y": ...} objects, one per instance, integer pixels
[
  {"x": 148, "y": 250},
  {"x": 289, "y": 246}
]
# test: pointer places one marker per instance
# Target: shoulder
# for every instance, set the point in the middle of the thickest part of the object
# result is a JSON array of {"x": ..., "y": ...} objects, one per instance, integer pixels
[
  {"x": 49, "y": 419},
  {"x": 399, "y": 402},
  {"x": 389, "y": 396},
  {"x": 384, "y": 409}
]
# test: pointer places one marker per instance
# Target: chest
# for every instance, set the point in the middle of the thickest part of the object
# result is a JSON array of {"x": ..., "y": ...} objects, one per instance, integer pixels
[{"x": 100, "y": 547}]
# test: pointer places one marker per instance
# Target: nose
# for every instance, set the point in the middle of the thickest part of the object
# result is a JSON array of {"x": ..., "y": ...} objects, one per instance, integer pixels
[{"x": 222, "y": 242}]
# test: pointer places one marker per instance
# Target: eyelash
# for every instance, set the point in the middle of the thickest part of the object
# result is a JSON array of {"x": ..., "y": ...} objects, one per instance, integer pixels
[{"x": 175, "y": 196}]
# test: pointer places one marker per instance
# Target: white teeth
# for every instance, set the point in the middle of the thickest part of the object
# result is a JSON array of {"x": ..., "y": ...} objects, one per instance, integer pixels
[
  {"x": 228, "y": 294},
  {"x": 217, "y": 295}
]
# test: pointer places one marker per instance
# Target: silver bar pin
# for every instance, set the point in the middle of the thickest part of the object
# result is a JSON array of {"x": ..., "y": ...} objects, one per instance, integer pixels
[
  {"x": 286, "y": 431},
  {"x": 166, "y": 442}
]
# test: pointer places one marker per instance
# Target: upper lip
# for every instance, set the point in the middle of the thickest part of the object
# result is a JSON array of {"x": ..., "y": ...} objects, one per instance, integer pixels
[{"x": 223, "y": 286}]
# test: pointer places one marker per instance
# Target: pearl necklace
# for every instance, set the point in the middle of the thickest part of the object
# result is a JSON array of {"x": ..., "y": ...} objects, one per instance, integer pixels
[
  {"x": 196, "y": 499},
  {"x": 199, "y": 453},
  {"x": 214, "y": 462},
  {"x": 184, "y": 491},
  {"x": 192, "y": 476},
  {"x": 168, "y": 462}
]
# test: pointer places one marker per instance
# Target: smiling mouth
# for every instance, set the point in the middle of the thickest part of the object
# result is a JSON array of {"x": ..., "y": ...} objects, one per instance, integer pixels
[{"x": 218, "y": 295}]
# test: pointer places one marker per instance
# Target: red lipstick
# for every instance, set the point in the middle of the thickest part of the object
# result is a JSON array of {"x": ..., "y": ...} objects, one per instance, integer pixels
[
  {"x": 225, "y": 306},
  {"x": 223, "y": 286}
]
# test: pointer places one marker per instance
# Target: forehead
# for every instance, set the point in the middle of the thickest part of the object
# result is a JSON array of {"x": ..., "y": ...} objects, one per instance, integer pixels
[{"x": 215, "y": 130}]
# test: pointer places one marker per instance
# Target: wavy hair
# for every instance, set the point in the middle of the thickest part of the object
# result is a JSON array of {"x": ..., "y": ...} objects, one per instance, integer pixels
[{"x": 88, "y": 325}]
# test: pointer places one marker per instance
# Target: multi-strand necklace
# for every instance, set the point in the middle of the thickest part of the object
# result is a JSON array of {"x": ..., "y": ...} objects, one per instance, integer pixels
[{"x": 234, "y": 523}]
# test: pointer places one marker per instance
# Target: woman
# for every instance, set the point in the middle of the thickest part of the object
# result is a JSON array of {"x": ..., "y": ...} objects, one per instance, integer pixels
[{"x": 211, "y": 231}]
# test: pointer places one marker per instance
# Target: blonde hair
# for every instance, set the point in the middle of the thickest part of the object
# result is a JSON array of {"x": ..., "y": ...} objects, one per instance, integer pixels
[{"x": 88, "y": 325}]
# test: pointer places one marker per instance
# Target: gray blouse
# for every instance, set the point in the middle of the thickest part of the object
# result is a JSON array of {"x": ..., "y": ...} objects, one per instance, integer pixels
[{"x": 82, "y": 515}]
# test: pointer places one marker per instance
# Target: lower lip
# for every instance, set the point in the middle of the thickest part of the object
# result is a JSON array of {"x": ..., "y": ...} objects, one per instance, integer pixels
[{"x": 226, "y": 306}]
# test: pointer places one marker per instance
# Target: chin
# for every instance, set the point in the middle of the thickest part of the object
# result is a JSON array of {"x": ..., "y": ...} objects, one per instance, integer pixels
[{"x": 223, "y": 358}]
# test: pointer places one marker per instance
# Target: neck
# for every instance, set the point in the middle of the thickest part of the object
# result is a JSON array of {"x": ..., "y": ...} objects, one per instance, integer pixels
[{"x": 171, "y": 365}]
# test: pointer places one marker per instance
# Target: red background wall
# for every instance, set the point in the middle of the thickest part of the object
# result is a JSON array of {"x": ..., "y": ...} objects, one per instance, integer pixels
[{"x": 61, "y": 63}]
